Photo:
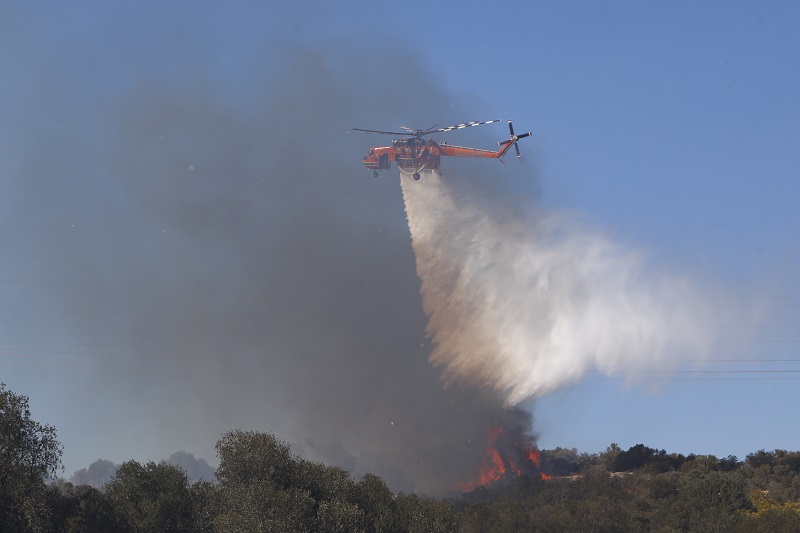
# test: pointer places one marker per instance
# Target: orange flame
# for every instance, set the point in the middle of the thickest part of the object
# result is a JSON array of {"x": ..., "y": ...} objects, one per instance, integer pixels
[
  {"x": 496, "y": 467},
  {"x": 535, "y": 457}
]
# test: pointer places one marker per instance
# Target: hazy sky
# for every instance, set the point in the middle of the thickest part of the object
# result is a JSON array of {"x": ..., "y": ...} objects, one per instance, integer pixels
[{"x": 192, "y": 247}]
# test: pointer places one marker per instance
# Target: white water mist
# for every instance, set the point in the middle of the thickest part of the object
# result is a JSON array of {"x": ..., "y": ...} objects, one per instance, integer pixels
[{"x": 529, "y": 305}]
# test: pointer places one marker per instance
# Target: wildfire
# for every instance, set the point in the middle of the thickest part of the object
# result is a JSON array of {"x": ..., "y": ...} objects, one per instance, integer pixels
[
  {"x": 499, "y": 466},
  {"x": 498, "y": 469},
  {"x": 535, "y": 457}
]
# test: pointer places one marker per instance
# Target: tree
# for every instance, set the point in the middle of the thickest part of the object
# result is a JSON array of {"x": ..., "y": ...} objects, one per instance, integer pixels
[
  {"x": 75, "y": 509},
  {"x": 247, "y": 456},
  {"x": 152, "y": 497},
  {"x": 560, "y": 462},
  {"x": 635, "y": 457},
  {"x": 378, "y": 504},
  {"x": 422, "y": 515},
  {"x": 609, "y": 457},
  {"x": 29, "y": 452},
  {"x": 710, "y": 501},
  {"x": 264, "y": 487},
  {"x": 772, "y": 520},
  {"x": 260, "y": 486}
]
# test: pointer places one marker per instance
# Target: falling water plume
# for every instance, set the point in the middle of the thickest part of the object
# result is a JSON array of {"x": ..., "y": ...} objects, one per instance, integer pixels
[{"x": 526, "y": 305}]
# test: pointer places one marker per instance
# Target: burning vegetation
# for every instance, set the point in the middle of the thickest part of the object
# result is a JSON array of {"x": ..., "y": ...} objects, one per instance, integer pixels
[{"x": 506, "y": 458}]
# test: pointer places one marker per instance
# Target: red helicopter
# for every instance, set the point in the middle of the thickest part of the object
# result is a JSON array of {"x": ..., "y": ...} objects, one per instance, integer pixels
[{"x": 413, "y": 153}]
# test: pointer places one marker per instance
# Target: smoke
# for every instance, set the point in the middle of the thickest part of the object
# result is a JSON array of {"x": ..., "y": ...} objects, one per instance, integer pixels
[
  {"x": 103, "y": 471},
  {"x": 196, "y": 252},
  {"x": 525, "y": 305},
  {"x": 95, "y": 475},
  {"x": 298, "y": 310},
  {"x": 193, "y": 248},
  {"x": 195, "y": 469}
]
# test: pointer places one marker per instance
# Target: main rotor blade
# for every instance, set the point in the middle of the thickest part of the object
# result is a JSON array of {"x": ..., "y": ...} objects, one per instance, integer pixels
[
  {"x": 378, "y": 132},
  {"x": 462, "y": 126},
  {"x": 422, "y": 132}
]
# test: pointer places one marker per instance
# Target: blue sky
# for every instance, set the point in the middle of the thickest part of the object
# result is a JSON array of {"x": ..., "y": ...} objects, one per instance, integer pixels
[{"x": 671, "y": 127}]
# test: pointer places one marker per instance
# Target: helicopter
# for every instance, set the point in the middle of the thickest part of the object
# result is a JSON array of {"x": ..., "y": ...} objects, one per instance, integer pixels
[{"x": 414, "y": 153}]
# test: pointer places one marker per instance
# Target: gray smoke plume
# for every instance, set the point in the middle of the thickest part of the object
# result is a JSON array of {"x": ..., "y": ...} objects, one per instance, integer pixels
[
  {"x": 526, "y": 305},
  {"x": 193, "y": 248},
  {"x": 298, "y": 306},
  {"x": 195, "y": 253},
  {"x": 95, "y": 475}
]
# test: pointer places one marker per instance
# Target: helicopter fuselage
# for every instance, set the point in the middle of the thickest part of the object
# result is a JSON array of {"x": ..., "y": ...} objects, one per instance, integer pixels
[{"x": 407, "y": 153}]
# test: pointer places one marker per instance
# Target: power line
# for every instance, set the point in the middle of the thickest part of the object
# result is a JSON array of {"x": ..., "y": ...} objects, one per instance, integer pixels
[
  {"x": 108, "y": 288},
  {"x": 711, "y": 224}
]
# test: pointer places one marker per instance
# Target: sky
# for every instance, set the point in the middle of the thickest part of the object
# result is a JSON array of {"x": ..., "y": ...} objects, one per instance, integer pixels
[{"x": 192, "y": 246}]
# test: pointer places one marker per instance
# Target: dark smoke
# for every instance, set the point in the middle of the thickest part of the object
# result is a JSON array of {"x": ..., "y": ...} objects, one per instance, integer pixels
[
  {"x": 95, "y": 475},
  {"x": 195, "y": 469},
  {"x": 216, "y": 257},
  {"x": 102, "y": 471}
]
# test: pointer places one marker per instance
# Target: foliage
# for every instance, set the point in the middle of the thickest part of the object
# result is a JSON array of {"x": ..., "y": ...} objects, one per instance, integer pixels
[
  {"x": 261, "y": 486},
  {"x": 660, "y": 492},
  {"x": 264, "y": 487},
  {"x": 29, "y": 452},
  {"x": 771, "y": 515},
  {"x": 562, "y": 461},
  {"x": 151, "y": 497},
  {"x": 81, "y": 508},
  {"x": 641, "y": 456}
]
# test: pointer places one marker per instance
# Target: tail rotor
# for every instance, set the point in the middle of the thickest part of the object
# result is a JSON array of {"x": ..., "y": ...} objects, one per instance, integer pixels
[{"x": 514, "y": 138}]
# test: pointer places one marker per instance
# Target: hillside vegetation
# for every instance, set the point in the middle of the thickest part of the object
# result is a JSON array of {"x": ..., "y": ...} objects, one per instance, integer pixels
[{"x": 261, "y": 485}]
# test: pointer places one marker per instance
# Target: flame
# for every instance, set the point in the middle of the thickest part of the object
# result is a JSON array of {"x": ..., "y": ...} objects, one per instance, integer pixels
[
  {"x": 497, "y": 467},
  {"x": 535, "y": 457}
]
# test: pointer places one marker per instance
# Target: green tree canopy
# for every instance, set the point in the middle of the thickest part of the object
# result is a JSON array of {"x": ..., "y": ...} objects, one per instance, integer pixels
[
  {"x": 29, "y": 452},
  {"x": 151, "y": 497}
]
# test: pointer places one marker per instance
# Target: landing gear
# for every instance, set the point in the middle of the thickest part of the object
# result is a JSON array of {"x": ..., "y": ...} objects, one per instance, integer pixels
[
  {"x": 416, "y": 176},
  {"x": 375, "y": 173}
]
